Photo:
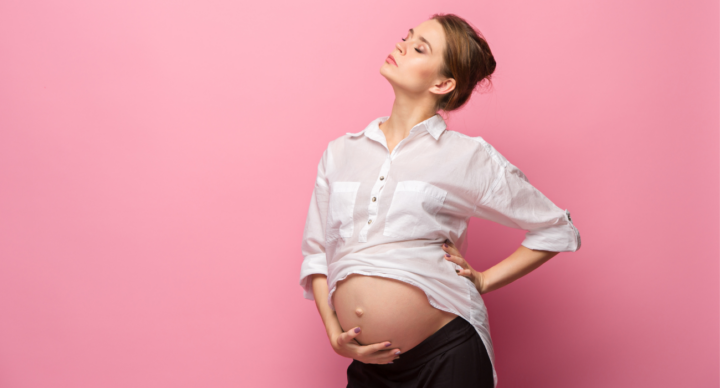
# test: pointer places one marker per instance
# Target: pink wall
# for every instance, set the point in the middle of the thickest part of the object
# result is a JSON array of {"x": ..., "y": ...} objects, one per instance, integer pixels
[{"x": 157, "y": 160}]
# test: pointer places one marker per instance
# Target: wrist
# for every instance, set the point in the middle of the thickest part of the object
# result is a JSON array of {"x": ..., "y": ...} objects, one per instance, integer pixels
[
  {"x": 480, "y": 282},
  {"x": 333, "y": 329},
  {"x": 333, "y": 333}
]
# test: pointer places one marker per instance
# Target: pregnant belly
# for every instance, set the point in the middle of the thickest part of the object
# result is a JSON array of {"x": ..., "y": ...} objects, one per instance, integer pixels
[{"x": 387, "y": 310}]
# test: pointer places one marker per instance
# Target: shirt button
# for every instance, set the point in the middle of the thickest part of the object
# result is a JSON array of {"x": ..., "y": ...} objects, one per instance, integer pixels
[
  {"x": 382, "y": 177},
  {"x": 369, "y": 222},
  {"x": 374, "y": 199}
]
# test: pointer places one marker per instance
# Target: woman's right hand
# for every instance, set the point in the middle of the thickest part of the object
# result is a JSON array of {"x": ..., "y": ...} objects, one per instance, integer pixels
[{"x": 344, "y": 345}]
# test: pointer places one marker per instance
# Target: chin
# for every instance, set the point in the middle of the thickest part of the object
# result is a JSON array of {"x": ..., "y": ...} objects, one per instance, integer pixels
[
  {"x": 383, "y": 74},
  {"x": 386, "y": 74}
]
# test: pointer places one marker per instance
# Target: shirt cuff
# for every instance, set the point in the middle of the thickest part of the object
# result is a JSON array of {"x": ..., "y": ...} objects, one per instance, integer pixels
[
  {"x": 562, "y": 237},
  {"x": 312, "y": 264}
]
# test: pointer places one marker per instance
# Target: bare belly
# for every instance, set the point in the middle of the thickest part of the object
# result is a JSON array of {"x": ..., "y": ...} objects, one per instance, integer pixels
[{"x": 387, "y": 310}]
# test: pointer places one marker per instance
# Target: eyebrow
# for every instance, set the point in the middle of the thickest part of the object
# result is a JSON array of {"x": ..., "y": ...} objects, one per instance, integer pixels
[{"x": 422, "y": 39}]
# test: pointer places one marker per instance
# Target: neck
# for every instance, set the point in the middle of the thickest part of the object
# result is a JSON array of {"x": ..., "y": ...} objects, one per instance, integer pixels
[{"x": 407, "y": 112}]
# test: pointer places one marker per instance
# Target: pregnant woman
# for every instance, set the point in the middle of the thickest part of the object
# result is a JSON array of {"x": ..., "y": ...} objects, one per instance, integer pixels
[{"x": 385, "y": 233}]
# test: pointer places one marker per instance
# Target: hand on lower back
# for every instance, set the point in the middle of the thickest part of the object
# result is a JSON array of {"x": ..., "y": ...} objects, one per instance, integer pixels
[{"x": 452, "y": 254}]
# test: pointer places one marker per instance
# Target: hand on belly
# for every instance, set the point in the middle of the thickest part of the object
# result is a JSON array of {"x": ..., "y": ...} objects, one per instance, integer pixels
[{"x": 387, "y": 310}]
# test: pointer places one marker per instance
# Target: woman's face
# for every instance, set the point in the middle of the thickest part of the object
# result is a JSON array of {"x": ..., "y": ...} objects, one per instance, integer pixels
[{"x": 418, "y": 60}]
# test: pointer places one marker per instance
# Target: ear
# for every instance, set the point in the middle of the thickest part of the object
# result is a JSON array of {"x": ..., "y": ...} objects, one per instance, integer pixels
[{"x": 443, "y": 86}]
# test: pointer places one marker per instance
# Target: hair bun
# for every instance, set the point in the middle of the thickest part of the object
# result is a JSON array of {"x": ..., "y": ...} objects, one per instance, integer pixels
[
  {"x": 492, "y": 64},
  {"x": 468, "y": 60}
]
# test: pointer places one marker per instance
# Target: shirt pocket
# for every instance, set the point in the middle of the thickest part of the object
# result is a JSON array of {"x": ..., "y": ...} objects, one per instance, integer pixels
[
  {"x": 413, "y": 209},
  {"x": 341, "y": 207}
]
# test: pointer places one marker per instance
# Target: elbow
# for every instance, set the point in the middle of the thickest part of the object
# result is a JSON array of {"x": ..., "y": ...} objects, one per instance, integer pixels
[{"x": 559, "y": 238}]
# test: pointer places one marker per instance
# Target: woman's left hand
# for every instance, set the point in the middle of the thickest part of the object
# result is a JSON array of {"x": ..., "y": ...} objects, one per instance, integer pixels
[{"x": 453, "y": 255}]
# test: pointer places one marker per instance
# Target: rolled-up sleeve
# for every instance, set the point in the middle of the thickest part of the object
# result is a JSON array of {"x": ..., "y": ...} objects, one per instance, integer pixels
[
  {"x": 313, "y": 241},
  {"x": 512, "y": 201}
]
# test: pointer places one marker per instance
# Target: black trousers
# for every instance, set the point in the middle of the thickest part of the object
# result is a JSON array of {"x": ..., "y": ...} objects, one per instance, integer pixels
[{"x": 452, "y": 357}]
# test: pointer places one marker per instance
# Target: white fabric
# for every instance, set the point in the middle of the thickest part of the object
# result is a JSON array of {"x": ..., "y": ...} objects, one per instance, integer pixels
[{"x": 424, "y": 192}]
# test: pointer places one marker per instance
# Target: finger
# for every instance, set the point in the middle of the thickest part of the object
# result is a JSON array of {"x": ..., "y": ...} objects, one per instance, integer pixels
[
  {"x": 453, "y": 252},
  {"x": 450, "y": 247},
  {"x": 385, "y": 356},
  {"x": 394, "y": 355},
  {"x": 457, "y": 260},
  {"x": 348, "y": 336},
  {"x": 378, "y": 347}
]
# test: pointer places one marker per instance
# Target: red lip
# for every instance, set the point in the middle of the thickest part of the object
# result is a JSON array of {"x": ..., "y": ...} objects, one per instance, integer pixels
[{"x": 391, "y": 59}]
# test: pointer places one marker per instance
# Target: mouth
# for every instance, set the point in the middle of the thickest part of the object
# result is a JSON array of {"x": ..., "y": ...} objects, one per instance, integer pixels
[{"x": 390, "y": 60}]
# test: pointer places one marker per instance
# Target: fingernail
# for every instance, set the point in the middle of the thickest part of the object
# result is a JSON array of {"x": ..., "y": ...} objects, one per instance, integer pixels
[
  {"x": 357, "y": 329},
  {"x": 387, "y": 344},
  {"x": 444, "y": 245},
  {"x": 398, "y": 352},
  {"x": 447, "y": 255}
]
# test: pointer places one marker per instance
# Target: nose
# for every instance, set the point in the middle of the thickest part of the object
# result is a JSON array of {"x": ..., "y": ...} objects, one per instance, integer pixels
[{"x": 399, "y": 46}]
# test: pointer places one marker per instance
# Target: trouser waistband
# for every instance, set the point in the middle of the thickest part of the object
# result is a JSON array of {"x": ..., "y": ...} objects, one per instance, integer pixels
[{"x": 449, "y": 336}]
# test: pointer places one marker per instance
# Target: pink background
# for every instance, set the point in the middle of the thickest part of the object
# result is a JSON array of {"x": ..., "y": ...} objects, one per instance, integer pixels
[{"x": 157, "y": 160}]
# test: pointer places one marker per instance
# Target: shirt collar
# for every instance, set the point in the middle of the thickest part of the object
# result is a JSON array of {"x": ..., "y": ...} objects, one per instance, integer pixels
[{"x": 435, "y": 126}]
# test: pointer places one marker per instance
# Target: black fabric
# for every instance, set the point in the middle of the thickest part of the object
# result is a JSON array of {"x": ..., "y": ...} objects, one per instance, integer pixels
[{"x": 452, "y": 357}]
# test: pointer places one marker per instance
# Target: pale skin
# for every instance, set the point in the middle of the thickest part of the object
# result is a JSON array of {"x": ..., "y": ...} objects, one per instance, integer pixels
[
  {"x": 518, "y": 264},
  {"x": 416, "y": 80},
  {"x": 417, "y": 83}
]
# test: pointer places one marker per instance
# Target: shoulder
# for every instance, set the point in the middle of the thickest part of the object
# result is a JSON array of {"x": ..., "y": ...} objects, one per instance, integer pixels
[
  {"x": 346, "y": 137},
  {"x": 501, "y": 164},
  {"x": 480, "y": 145},
  {"x": 349, "y": 139},
  {"x": 340, "y": 143},
  {"x": 337, "y": 146}
]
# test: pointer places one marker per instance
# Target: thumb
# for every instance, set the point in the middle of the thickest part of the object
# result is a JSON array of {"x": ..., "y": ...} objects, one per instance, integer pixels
[
  {"x": 348, "y": 336},
  {"x": 467, "y": 273}
]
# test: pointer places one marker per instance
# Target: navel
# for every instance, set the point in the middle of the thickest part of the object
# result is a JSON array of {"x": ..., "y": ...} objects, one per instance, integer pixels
[{"x": 359, "y": 312}]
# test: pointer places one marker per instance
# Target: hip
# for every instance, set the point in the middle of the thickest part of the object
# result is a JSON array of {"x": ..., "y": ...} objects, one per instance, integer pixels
[{"x": 454, "y": 356}]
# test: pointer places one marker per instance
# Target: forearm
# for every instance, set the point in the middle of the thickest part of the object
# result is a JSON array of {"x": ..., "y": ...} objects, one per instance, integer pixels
[
  {"x": 329, "y": 318},
  {"x": 515, "y": 266}
]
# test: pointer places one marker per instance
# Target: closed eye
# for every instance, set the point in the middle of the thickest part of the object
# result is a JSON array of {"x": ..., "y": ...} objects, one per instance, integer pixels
[{"x": 403, "y": 39}]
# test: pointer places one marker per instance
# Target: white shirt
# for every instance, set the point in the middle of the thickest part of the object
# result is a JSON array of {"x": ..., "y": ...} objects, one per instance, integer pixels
[{"x": 378, "y": 213}]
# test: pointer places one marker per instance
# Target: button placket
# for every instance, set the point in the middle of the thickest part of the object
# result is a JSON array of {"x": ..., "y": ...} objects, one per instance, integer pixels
[
  {"x": 382, "y": 178},
  {"x": 374, "y": 202}
]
